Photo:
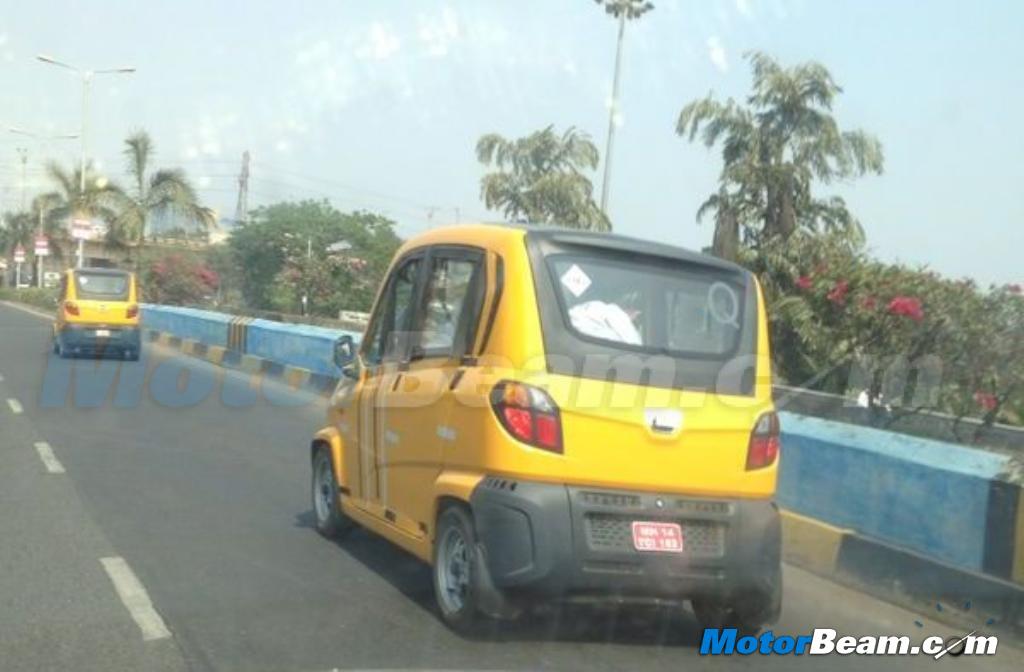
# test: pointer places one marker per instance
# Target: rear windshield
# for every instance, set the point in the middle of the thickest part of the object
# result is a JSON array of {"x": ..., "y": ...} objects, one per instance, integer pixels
[
  {"x": 644, "y": 313},
  {"x": 649, "y": 308},
  {"x": 109, "y": 286}
]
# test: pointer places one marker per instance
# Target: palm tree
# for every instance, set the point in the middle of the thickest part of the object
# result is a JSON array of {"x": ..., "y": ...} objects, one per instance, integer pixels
[
  {"x": 774, "y": 147},
  {"x": 540, "y": 178},
  {"x": 55, "y": 209},
  {"x": 17, "y": 229},
  {"x": 166, "y": 192}
]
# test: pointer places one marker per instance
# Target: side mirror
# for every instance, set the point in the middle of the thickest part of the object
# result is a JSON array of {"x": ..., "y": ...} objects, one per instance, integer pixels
[{"x": 344, "y": 351}]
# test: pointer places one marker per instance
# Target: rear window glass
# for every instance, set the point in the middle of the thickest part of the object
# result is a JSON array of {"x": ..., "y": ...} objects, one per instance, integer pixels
[
  {"x": 102, "y": 286},
  {"x": 649, "y": 307}
]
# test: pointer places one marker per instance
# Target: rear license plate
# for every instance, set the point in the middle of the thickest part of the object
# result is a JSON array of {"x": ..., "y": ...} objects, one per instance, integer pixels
[
  {"x": 102, "y": 332},
  {"x": 657, "y": 537}
]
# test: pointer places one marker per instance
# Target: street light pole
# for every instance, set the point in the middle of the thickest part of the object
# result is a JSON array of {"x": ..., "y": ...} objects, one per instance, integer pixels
[
  {"x": 86, "y": 76},
  {"x": 613, "y": 109},
  {"x": 622, "y": 11},
  {"x": 23, "y": 155}
]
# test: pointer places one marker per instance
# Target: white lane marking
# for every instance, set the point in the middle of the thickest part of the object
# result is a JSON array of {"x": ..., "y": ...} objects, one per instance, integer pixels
[
  {"x": 26, "y": 309},
  {"x": 135, "y": 598},
  {"x": 50, "y": 460},
  {"x": 15, "y": 405}
]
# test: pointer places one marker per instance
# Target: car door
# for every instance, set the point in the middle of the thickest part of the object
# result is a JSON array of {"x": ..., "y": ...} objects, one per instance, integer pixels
[
  {"x": 383, "y": 349},
  {"x": 444, "y": 330}
]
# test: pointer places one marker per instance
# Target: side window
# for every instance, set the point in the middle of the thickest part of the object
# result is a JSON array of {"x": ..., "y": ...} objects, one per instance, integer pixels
[
  {"x": 451, "y": 305},
  {"x": 385, "y": 340}
]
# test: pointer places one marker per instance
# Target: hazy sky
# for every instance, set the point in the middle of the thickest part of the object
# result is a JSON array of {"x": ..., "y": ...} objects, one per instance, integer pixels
[{"x": 378, "y": 104}]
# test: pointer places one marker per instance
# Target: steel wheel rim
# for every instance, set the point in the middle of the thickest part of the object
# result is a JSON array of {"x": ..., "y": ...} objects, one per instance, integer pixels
[
  {"x": 324, "y": 489},
  {"x": 453, "y": 568}
]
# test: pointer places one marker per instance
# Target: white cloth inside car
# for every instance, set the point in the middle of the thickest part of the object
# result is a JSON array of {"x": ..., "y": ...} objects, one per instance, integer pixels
[{"x": 604, "y": 320}]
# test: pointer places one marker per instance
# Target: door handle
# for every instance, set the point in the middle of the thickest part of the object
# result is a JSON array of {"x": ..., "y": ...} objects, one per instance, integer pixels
[
  {"x": 456, "y": 379},
  {"x": 398, "y": 379}
]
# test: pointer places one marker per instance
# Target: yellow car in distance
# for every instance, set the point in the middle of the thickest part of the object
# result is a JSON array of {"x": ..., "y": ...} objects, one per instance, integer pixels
[
  {"x": 551, "y": 415},
  {"x": 97, "y": 314}
]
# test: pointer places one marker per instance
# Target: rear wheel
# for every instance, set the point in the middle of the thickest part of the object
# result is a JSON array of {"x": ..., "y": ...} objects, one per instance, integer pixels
[
  {"x": 747, "y": 612},
  {"x": 331, "y": 522},
  {"x": 456, "y": 570}
]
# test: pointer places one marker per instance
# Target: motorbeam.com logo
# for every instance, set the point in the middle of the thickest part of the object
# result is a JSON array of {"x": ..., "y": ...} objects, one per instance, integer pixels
[{"x": 825, "y": 641}]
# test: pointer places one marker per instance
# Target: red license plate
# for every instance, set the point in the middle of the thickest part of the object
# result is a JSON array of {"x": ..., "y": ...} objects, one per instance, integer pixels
[{"x": 657, "y": 537}]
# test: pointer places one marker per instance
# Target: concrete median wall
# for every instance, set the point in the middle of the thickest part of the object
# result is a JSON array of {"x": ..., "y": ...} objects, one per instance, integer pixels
[
  {"x": 198, "y": 325},
  {"x": 932, "y": 497},
  {"x": 300, "y": 345},
  {"x": 294, "y": 345}
]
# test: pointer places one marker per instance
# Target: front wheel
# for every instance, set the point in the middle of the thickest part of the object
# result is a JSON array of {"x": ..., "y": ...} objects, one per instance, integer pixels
[{"x": 331, "y": 522}]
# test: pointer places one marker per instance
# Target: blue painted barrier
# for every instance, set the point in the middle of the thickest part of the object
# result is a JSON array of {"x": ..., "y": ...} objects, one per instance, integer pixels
[
  {"x": 928, "y": 496},
  {"x": 301, "y": 345},
  {"x": 203, "y": 326}
]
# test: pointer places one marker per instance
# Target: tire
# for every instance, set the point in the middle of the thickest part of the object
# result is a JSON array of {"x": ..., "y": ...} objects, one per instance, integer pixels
[
  {"x": 747, "y": 612},
  {"x": 456, "y": 571},
  {"x": 331, "y": 522}
]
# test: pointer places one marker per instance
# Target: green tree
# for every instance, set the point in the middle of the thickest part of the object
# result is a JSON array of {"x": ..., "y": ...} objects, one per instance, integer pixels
[
  {"x": 773, "y": 148},
  {"x": 541, "y": 178},
  {"x": 164, "y": 193},
  {"x": 291, "y": 248}
]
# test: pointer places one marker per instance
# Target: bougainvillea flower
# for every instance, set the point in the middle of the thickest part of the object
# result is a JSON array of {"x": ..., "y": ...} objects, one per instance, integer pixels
[
  {"x": 907, "y": 306},
  {"x": 837, "y": 295}
]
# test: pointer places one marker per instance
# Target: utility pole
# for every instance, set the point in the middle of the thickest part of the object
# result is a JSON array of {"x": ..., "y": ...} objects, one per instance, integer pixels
[
  {"x": 242, "y": 208},
  {"x": 39, "y": 257},
  {"x": 613, "y": 110},
  {"x": 622, "y": 11},
  {"x": 23, "y": 154}
]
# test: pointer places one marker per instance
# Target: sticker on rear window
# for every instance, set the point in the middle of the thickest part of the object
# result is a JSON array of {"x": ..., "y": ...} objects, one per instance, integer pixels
[{"x": 575, "y": 280}]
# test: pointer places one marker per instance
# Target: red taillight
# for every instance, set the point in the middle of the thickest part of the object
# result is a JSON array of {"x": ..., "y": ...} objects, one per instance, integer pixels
[
  {"x": 763, "y": 449},
  {"x": 132, "y": 312},
  {"x": 528, "y": 414},
  {"x": 71, "y": 308}
]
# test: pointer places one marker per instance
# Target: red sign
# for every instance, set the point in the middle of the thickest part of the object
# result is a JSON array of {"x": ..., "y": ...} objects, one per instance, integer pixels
[
  {"x": 657, "y": 537},
  {"x": 42, "y": 246},
  {"x": 19, "y": 255}
]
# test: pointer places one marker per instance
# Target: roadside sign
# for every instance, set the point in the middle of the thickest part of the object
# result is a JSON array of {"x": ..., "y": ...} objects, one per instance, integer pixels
[
  {"x": 42, "y": 246},
  {"x": 81, "y": 229},
  {"x": 19, "y": 255}
]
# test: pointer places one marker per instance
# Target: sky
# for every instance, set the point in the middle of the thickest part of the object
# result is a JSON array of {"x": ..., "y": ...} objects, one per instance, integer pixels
[{"x": 378, "y": 105}]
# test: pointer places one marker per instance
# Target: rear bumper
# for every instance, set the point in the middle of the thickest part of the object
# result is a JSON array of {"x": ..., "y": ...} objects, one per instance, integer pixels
[
  {"x": 83, "y": 339},
  {"x": 550, "y": 540}
]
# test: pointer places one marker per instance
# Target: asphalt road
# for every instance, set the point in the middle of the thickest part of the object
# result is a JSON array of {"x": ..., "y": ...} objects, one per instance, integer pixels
[{"x": 192, "y": 483}]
